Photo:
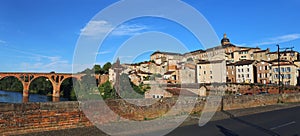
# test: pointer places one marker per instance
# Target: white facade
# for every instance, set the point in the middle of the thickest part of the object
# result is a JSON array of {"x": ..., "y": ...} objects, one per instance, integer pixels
[{"x": 245, "y": 73}]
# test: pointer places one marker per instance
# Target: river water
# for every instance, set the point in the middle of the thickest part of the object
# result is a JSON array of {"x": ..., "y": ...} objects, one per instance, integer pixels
[{"x": 17, "y": 97}]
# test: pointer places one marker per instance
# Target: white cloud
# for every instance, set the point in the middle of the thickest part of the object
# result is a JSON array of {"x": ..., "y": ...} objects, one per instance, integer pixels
[
  {"x": 129, "y": 30},
  {"x": 40, "y": 63},
  {"x": 2, "y": 42},
  {"x": 96, "y": 28},
  {"x": 280, "y": 39},
  {"x": 103, "y": 52}
]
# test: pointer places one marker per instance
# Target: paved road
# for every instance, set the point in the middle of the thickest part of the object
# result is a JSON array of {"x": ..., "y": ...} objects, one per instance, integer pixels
[{"x": 284, "y": 122}]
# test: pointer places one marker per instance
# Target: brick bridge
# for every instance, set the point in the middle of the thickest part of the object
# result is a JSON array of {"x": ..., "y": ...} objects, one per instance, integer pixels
[{"x": 56, "y": 79}]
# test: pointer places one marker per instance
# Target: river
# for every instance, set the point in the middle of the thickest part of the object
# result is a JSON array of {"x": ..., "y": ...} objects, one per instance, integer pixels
[{"x": 17, "y": 97}]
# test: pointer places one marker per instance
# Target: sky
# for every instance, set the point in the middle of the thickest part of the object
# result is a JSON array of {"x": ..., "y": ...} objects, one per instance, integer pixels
[{"x": 42, "y": 35}]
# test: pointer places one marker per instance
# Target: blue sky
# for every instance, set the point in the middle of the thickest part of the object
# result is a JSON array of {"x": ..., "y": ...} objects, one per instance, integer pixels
[{"x": 41, "y": 35}]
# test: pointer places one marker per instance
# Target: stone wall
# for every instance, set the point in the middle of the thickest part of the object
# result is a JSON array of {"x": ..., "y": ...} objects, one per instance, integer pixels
[{"x": 35, "y": 117}]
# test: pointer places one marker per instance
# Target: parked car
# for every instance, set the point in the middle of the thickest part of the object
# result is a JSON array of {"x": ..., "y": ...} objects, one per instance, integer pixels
[
  {"x": 247, "y": 93},
  {"x": 263, "y": 93}
]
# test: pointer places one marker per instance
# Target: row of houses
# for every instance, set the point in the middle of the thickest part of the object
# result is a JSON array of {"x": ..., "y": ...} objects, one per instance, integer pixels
[{"x": 224, "y": 63}]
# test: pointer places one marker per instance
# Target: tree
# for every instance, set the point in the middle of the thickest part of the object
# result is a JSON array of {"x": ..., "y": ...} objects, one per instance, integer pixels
[
  {"x": 190, "y": 59},
  {"x": 11, "y": 84},
  {"x": 86, "y": 89},
  {"x": 97, "y": 69},
  {"x": 87, "y": 71},
  {"x": 41, "y": 86},
  {"x": 107, "y": 91},
  {"x": 128, "y": 89},
  {"x": 67, "y": 89},
  {"x": 106, "y": 67}
]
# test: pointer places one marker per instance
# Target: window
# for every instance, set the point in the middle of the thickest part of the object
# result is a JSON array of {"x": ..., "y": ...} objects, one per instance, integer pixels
[
  {"x": 211, "y": 77},
  {"x": 210, "y": 72},
  {"x": 239, "y": 75},
  {"x": 288, "y": 69},
  {"x": 204, "y": 72},
  {"x": 248, "y": 76},
  {"x": 248, "y": 70}
]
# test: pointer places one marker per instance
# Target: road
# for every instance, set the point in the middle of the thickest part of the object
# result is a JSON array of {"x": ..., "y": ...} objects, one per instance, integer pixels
[{"x": 283, "y": 122}]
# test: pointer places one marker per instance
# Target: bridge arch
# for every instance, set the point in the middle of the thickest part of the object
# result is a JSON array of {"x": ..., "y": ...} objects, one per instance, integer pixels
[
  {"x": 66, "y": 87},
  {"x": 19, "y": 81},
  {"x": 47, "y": 81}
]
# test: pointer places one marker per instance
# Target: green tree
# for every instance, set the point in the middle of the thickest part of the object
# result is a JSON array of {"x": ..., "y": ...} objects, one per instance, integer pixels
[
  {"x": 86, "y": 88},
  {"x": 11, "y": 84},
  {"x": 106, "y": 68},
  {"x": 41, "y": 86},
  {"x": 107, "y": 91},
  {"x": 67, "y": 89},
  {"x": 128, "y": 89},
  {"x": 87, "y": 71},
  {"x": 97, "y": 69}
]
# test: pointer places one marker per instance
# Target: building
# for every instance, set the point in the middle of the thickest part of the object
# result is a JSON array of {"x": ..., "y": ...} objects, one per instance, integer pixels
[
  {"x": 264, "y": 72},
  {"x": 231, "y": 73},
  {"x": 115, "y": 71},
  {"x": 288, "y": 70},
  {"x": 187, "y": 73},
  {"x": 211, "y": 71},
  {"x": 161, "y": 57},
  {"x": 261, "y": 55},
  {"x": 170, "y": 77},
  {"x": 244, "y": 53},
  {"x": 284, "y": 55},
  {"x": 245, "y": 71}
]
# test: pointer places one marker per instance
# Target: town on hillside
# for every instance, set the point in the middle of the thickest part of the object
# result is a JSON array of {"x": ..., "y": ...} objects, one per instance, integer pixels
[{"x": 225, "y": 63}]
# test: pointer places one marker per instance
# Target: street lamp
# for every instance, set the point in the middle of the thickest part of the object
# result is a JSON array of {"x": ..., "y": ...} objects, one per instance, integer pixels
[{"x": 279, "y": 71}]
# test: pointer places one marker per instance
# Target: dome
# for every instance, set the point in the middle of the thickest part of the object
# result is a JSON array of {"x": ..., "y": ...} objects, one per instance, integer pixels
[{"x": 225, "y": 40}]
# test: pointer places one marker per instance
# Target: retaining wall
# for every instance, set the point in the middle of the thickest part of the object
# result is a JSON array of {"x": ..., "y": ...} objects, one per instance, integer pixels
[{"x": 35, "y": 117}]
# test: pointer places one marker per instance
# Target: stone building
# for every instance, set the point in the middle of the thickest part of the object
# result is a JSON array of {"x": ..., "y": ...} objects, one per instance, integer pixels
[
  {"x": 231, "y": 73},
  {"x": 187, "y": 73},
  {"x": 245, "y": 71},
  {"x": 245, "y": 53},
  {"x": 161, "y": 57},
  {"x": 284, "y": 55},
  {"x": 261, "y": 55},
  {"x": 264, "y": 72},
  {"x": 289, "y": 73},
  {"x": 211, "y": 71}
]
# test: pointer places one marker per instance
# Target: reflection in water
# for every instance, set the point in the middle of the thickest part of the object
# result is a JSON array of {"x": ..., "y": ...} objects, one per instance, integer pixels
[{"x": 17, "y": 97}]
